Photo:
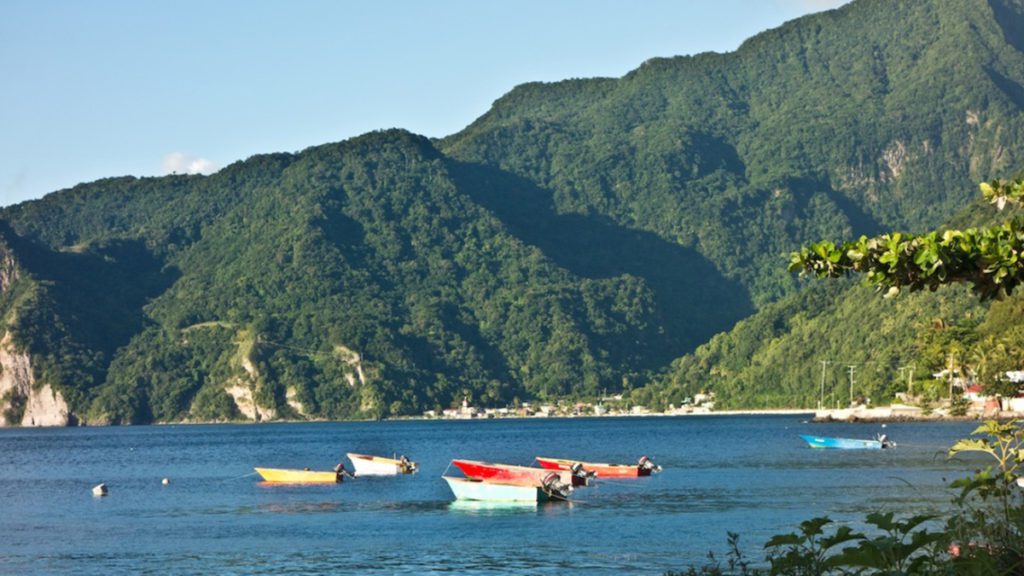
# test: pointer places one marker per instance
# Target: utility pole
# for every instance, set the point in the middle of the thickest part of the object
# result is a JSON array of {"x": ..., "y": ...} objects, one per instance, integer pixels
[
  {"x": 949, "y": 357},
  {"x": 821, "y": 398},
  {"x": 851, "y": 367},
  {"x": 910, "y": 377},
  {"x": 902, "y": 370}
]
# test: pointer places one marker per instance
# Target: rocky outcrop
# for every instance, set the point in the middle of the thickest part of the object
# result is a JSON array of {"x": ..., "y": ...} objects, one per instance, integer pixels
[
  {"x": 291, "y": 396},
  {"x": 22, "y": 403},
  {"x": 8, "y": 270},
  {"x": 894, "y": 158},
  {"x": 246, "y": 404},
  {"x": 241, "y": 389},
  {"x": 354, "y": 360}
]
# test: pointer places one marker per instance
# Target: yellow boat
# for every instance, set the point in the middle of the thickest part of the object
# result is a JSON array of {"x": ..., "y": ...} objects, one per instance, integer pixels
[{"x": 288, "y": 476}]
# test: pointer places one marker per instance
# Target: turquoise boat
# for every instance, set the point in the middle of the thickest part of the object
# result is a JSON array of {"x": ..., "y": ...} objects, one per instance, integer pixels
[
  {"x": 847, "y": 443},
  {"x": 473, "y": 489}
]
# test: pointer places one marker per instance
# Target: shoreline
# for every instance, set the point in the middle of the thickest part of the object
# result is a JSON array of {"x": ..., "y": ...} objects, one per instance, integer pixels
[{"x": 893, "y": 413}]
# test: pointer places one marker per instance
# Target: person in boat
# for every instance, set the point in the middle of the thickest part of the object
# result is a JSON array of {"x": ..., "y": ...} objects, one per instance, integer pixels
[
  {"x": 341, "y": 472},
  {"x": 404, "y": 464}
]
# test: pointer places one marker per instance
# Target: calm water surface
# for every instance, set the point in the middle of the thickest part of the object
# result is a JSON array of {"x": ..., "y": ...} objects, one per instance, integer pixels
[{"x": 751, "y": 475}]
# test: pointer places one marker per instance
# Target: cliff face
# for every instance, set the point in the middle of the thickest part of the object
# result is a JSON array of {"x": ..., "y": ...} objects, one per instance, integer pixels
[{"x": 21, "y": 402}]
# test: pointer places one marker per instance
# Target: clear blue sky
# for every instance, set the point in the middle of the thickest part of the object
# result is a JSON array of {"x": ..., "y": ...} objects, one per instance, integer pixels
[{"x": 135, "y": 87}]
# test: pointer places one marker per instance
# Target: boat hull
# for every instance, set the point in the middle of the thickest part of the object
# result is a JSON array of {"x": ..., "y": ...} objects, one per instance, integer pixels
[
  {"x": 377, "y": 466},
  {"x": 602, "y": 470},
  {"x": 841, "y": 443},
  {"x": 291, "y": 476},
  {"x": 480, "y": 490},
  {"x": 512, "y": 474}
]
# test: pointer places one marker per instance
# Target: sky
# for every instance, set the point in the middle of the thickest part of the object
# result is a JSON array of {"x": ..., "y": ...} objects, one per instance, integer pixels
[{"x": 145, "y": 88}]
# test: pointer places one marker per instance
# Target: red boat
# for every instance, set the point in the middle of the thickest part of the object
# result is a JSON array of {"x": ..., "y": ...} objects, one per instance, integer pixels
[
  {"x": 510, "y": 474},
  {"x": 643, "y": 467}
]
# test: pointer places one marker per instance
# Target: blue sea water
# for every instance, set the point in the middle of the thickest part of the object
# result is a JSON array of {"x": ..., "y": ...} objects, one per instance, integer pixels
[{"x": 751, "y": 475}]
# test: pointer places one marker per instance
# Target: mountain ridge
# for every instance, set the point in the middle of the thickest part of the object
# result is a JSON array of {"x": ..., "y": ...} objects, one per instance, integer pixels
[{"x": 575, "y": 239}]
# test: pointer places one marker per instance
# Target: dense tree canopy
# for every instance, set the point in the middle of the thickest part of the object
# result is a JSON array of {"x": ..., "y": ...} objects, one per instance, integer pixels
[{"x": 577, "y": 238}]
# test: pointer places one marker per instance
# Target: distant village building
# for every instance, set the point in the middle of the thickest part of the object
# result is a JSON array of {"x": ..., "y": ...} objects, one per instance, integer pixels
[
  {"x": 467, "y": 411},
  {"x": 705, "y": 400},
  {"x": 1015, "y": 376}
]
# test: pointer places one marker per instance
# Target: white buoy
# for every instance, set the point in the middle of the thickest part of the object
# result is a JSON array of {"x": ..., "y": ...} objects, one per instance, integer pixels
[
  {"x": 165, "y": 481},
  {"x": 99, "y": 490}
]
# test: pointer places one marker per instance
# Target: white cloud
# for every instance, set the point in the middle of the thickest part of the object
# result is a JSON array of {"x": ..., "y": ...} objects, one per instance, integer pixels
[{"x": 182, "y": 163}]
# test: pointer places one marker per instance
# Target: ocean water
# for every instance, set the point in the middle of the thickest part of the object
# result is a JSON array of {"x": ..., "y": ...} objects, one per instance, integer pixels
[{"x": 751, "y": 475}]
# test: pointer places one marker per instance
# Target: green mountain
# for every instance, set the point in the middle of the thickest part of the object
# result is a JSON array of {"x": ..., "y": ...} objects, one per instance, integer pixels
[
  {"x": 357, "y": 279},
  {"x": 575, "y": 239},
  {"x": 857, "y": 344},
  {"x": 876, "y": 116}
]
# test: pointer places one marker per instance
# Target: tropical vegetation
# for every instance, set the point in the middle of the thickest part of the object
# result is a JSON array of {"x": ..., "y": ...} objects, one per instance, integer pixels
[{"x": 580, "y": 238}]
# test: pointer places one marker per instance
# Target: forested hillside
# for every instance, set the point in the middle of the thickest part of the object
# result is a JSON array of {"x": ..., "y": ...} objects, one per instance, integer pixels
[
  {"x": 860, "y": 342},
  {"x": 879, "y": 115},
  {"x": 574, "y": 240},
  {"x": 361, "y": 278}
]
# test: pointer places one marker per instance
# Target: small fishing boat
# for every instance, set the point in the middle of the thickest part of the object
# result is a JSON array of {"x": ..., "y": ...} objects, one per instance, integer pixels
[
  {"x": 293, "y": 476},
  {"x": 512, "y": 474},
  {"x": 489, "y": 491},
  {"x": 643, "y": 467},
  {"x": 379, "y": 466},
  {"x": 848, "y": 443}
]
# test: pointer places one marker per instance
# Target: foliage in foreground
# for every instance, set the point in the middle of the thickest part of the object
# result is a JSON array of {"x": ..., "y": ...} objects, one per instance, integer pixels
[
  {"x": 983, "y": 535},
  {"x": 989, "y": 259}
]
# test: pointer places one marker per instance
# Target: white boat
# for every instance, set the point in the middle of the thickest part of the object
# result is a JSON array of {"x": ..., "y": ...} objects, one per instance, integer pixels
[
  {"x": 379, "y": 466},
  {"x": 472, "y": 489}
]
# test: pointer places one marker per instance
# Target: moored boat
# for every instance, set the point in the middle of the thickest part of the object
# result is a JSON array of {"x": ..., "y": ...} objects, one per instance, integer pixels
[
  {"x": 379, "y": 466},
  {"x": 294, "y": 476},
  {"x": 513, "y": 474},
  {"x": 490, "y": 491},
  {"x": 643, "y": 467},
  {"x": 847, "y": 443}
]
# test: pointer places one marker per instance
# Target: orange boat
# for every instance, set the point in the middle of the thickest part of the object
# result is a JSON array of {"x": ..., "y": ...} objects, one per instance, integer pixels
[
  {"x": 511, "y": 474},
  {"x": 643, "y": 467}
]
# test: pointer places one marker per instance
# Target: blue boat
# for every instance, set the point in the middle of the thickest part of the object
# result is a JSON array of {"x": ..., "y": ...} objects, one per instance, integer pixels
[{"x": 847, "y": 443}]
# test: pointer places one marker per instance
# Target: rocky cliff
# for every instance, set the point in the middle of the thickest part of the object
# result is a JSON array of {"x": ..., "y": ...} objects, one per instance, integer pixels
[{"x": 22, "y": 402}]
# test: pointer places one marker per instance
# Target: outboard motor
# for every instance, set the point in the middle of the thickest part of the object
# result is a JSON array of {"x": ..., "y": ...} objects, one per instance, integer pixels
[
  {"x": 340, "y": 472},
  {"x": 884, "y": 439},
  {"x": 553, "y": 485},
  {"x": 645, "y": 463},
  {"x": 581, "y": 476},
  {"x": 408, "y": 466}
]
